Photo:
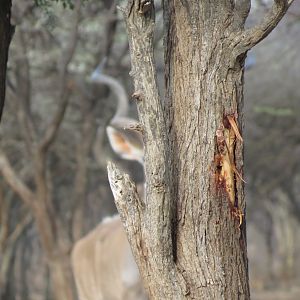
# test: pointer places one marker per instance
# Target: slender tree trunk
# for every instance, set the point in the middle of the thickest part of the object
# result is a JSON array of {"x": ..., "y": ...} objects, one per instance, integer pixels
[
  {"x": 61, "y": 278},
  {"x": 57, "y": 256},
  {"x": 54, "y": 241},
  {"x": 6, "y": 31}
]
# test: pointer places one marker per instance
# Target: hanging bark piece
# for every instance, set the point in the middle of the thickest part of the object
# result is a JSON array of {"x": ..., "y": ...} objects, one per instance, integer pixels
[
  {"x": 234, "y": 126},
  {"x": 226, "y": 170}
]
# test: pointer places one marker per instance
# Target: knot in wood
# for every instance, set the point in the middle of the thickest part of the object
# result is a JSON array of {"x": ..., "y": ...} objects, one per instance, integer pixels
[
  {"x": 137, "y": 127},
  {"x": 145, "y": 6},
  {"x": 137, "y": 96},
  {"x": 159, "y": 186},
  {"x": 119, "y": 177}
]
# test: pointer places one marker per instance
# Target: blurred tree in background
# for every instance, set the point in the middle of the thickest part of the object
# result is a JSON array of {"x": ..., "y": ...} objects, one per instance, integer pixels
[
  {"x": 54, "y": 186},
  {"x": 6, "y": 33}
]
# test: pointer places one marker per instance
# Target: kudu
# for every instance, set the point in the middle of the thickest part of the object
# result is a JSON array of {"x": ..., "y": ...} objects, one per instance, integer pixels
[{"x": 102, "y": 261}]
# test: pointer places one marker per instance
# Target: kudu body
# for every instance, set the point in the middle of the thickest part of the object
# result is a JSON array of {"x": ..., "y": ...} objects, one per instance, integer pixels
[
  {"x": 102, "y": 261},
  {"x": 103, "y": 265}
]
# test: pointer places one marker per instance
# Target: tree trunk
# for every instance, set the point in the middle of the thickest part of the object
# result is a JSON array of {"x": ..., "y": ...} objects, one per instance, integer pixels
[
  {"x": 6, "y": 31},
  {"x": 54, "y": 241},
  {"x": 189, "y": 236},
  {"x": 61, "y": 278},
  {"x": 204, "y": 88}
]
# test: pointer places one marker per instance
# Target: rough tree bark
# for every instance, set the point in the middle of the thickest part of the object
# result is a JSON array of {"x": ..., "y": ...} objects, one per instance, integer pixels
[
  {"x": 189, "y": 235},
  {"x": 6, "y": 32}
]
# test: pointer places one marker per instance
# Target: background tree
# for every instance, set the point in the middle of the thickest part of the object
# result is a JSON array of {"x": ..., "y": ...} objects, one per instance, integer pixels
[
  {"x": 6, "y": 32},
  {"x": 33, "y": 159},
  {"x": 189, "y": 235}
]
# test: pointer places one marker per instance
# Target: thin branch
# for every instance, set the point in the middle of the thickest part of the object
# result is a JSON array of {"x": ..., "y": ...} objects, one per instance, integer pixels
[
  {"x": 23, "y": 74},
  {"x": 64, "y": 86},
  {"x": 24, "y": 93},
  {"x": 128, "y": 202},
  {"x": 26, "y": 220},
  {"x": 81, "y": 177},
  {"x": 148, "y": 224},
  {"x": 253, "y": 36},
  {"x": 16, "y": 184},
  {"x": 140, "y": 25},
  {"x": 25, "y": 121},
  {"x": 139, "y": 17},
  {"x": 110, "y": 28},
  {"x": 4, "y": 224}
]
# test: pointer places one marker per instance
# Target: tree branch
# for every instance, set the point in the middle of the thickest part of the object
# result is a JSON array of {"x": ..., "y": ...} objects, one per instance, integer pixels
[
  {"x": 81, "y": 178},
  {"x": 17, "y": 185},
  {"x": 140, "y": 26},
  {"x": 64, "y": 86},
  {"x": 26, "y": 220},
  {"x": 24, "y": 93},
  {"x": 110, "y": 27},
  {"x": 128, "y": 202},
  {"x": 155, "y": 221},
  {"x": 253, "y": 36},
  {"x": 4, "y": 224}
]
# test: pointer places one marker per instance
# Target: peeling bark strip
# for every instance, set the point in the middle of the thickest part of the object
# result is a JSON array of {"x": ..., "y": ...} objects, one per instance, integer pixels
[
  {"x": 184, "y": 241},
  {"x": 226, "y": 172}
]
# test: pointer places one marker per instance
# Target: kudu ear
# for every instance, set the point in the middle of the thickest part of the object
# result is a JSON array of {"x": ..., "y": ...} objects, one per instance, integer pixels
[{"x": 126, "y": 143}]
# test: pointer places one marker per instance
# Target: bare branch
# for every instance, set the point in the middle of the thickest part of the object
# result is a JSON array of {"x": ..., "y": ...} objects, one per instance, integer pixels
[
  {"x": 253, "y": 36},
  {"x": 52, "y": 129},
  {"x": 25, "y": 121},
  {"x": 4, "y": 226},
  {"x": 26, "y": 220},
  {"x": 81, "y": 177},
  {"x": 128, "y": 202},
  {"x": 17, "y": 185},
  {"x": 131, "y": 210},
  {"x": 139, "y": 17},
  {"x": 24, "y": 93},
  {"x": 110, "y": 27},
  {"x": 140, "y": 26},
  {"x": 64, "y": 86},
  {"x": 23, "y": 74}
]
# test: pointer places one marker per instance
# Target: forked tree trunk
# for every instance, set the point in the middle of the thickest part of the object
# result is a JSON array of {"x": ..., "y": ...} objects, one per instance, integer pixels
[{"x": 189, "y": 237}]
